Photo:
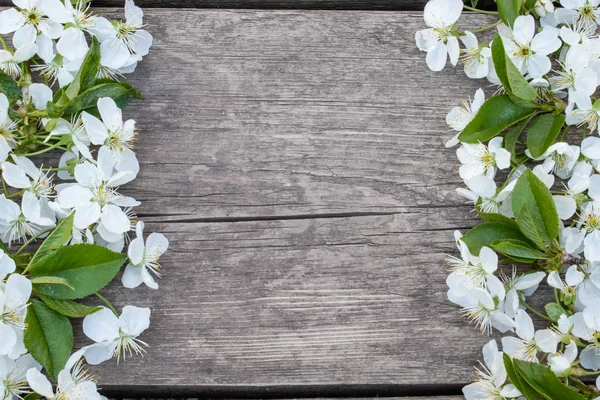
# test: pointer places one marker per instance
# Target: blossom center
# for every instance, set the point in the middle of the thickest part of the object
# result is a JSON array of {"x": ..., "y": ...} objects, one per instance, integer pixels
[{"x": 33, "y": 16}]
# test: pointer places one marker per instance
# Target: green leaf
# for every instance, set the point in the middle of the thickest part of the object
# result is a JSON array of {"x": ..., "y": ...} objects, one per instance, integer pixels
[
  {"x": 543, "y": 132},
  {"x": 518, "y": 250},
  {"x": 87, "y": 267},
  {"x": 533, "y": 193},
  {"x": 522, "y": 385},
  {"x": 499, "y": 218},
  {"x": 512, "y": 137},
  {"x": 59, "y": 236},
  {"x": 33, "y": 396},
  {"x": 120, "y": 92},
  {"x": 484, "y": 234},
  {"x": 530, "y": 229},
  {"x": 508, "y": 10},
  {"x": 9, "y": 87},
  {"x": 494, "y": 116},
  {"x": 509, "y": 75},
  {"x": 86, "y": 76},
  {"x": 51, "y": 280},
  {"x": 69, "y": 308},
  {"x": 544, "y": 381},
  {"x": 48, "y": 337},
  {"x": 554, "y": 311}
]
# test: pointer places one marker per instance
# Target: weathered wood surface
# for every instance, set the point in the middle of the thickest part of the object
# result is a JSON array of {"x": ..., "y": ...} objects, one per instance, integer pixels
[
  {"x": 361, "y": 398},
  {"x": 275, "y": 4},
  {"x": 295, "y": 161}
]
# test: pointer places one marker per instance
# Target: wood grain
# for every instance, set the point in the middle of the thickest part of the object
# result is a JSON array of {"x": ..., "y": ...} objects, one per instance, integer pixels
[
  {"x": 389, "y": 5},
  {"x": 295, "y": 161}
]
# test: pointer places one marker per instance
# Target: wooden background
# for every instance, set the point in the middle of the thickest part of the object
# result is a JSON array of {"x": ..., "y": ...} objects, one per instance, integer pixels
[{"x": 295, "y": 161}]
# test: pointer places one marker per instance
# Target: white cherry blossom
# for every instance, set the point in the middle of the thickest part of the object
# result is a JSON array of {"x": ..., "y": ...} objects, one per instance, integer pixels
[
  {"x": 439, "y": 40},
  {"x": 529, "y": 51},
  {"x": 115, "y": 336},
  {"x": 113, "y": 134},
  {"x": 144, "y": 257}
]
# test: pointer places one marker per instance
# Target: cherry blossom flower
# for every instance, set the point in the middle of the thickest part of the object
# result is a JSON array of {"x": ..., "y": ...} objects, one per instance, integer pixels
[
  {"x": 479, "y": 159},
  {"x": 144, "y": 257},
  {"x": 121, "y": 41},
  {"x": 113, "y": 134},
  {"x": 459, "y": 117},
  {"x": 72, "y": 43},
  {"x": 528, "y": 51},
  {"x": 439, "y": 40},
  {"x": 45, "y": 16},
  {"x": 18, "y": 222},
  {"x": 13, "y": 380},
  {"x": 475, "y": 58},
  {"x": 74, "y": 382},
  {"x": 560, "y": 363},
  {"x": 529, "y": 342},
  {"x": 9, "y": 63},
  {"x": 14, "y": 299},
  {"x": 491, "y": 379},
  {"x": 586, "y": 326},
  {"x": 95, "y": 198},
  {"x": 115, "y": 336}
]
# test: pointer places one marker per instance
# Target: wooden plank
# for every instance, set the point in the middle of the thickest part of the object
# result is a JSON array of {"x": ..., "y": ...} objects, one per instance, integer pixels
[
  {"x": 295, "y": 161},
  {"x": 290, "y": 114},
  {"x": 388, "y": 5},
  {"x": 363, "y": 398}
]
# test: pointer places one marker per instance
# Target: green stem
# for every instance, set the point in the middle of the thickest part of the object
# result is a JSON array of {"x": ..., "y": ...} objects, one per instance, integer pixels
[
  {"x": 588, "y": 373},
  {"x": 19, "y": 193},
  {"x": 4, "y": 44},
  {"x": 4, "y": 186},
  {"x": 539, "y": 314},
  {"x": 47, "y": 149},
  {"x": 466, "y": 7},
  {"x": 485, "y": 28},
  {"x": 105, "y": 301},
  {"x": 33, "y": 238}
]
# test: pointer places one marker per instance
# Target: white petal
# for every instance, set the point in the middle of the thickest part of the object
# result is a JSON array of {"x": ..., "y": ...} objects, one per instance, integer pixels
[
  {"x": 72, "y": 44},
  {"x": 523, "y": 29},
  {"x": 114, "y": 53},
  {"x": 40, "y": 95},
  {"x": 136, "y": 250},
  {"x": 15, "y": 176},
  {"x": 39, "y": 383},
  {"x": 86, "y": 214},
  {"x": 73, "y": 196},
  {"x": 436, "y": 58},
  {"x": 101, "y": 326},
  {"x": 98, "y": 353},
  {"x": 546, "y": 340},
  {"x": 114, "y": 219},
  {"x": 524, "y": 325},
  {"x": 134, "y": 320},
  {"x": 94, "y": 128},
  {"x": 110, "y": 113},
  {"x": 565, "y": 206},
  {"x": 10, "y": 21},
  {"x": 453, "y": 49},
  {"x": 132, "y": 277}
]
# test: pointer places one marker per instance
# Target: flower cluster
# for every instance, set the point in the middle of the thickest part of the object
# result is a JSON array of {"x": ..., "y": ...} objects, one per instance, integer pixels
[
  {"x": 65, "y": 230},
  {"x": 535, "y": 184}
]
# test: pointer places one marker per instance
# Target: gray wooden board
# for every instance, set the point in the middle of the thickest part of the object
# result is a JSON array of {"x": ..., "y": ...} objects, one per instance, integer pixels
[
  {"x": 277, "y": 4},
  {"x": 295, "y": 160},
  {"x": 363, "y": 398}
]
